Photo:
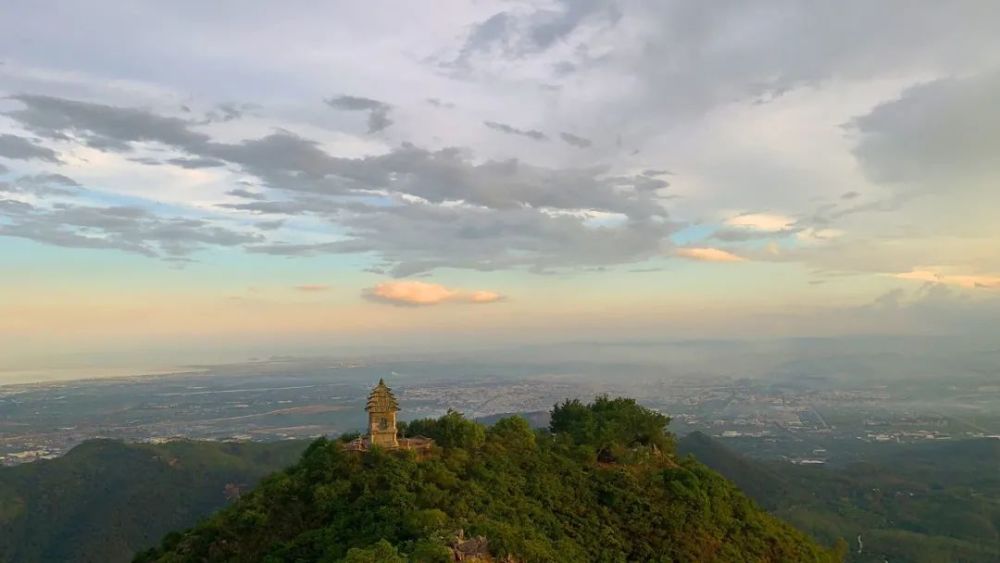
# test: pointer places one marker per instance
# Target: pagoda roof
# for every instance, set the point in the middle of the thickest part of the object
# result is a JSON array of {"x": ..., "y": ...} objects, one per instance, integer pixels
[{"x": 381, "y": 399}]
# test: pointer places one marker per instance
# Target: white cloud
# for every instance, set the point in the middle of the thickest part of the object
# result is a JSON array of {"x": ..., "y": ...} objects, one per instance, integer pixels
[{"x": 760, "y": 221}]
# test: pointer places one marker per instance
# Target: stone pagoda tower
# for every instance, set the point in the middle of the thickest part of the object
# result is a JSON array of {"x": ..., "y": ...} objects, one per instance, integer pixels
[{"x": 382, "y": 408}]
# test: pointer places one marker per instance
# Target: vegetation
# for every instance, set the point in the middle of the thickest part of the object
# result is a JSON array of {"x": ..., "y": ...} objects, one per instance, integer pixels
[
  {"x": 602, "y": 485},
  {"x": 603, "y": 482},
  {"x": 105, "y": 500},
  {"x": 915, "y": 503}
]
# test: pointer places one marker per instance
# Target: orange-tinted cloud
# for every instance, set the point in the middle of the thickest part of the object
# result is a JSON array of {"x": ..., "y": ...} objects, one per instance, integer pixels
[
  {"x": 417, "y": 293},
  {"x": 709, "y": 254},
  {"x": 312, "y": 287},
  {"x": 961, "y": 280}
]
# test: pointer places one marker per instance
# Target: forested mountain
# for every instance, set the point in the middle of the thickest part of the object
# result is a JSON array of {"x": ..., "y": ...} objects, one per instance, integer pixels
[
  {"x": 602, "y": 485},
  {"x": 915, "y": 503},
  {"x": 105, "y": 500}
]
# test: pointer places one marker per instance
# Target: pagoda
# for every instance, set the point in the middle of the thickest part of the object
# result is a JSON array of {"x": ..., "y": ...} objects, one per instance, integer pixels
[
  {"x": 382, "y": 408},
  {"x": 382, "y": 432}
]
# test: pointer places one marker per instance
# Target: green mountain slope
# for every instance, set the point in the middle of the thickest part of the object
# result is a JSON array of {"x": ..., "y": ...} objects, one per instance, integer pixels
[
  {"x": 913, "y": 503},
  {"x": 105, "y": 500},
  {"x": 603, "y": 485}
]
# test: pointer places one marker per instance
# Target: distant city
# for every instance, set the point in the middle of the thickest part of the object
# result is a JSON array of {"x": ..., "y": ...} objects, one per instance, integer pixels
[{"x": 803, "y": 420}]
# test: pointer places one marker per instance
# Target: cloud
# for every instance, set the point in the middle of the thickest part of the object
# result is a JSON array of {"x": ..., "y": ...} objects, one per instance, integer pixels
[
  {"x": 417, "y": 293},
  {"x": 246, "y": 194},
  {"x": 483, "y": 296},
  {"x": 290, "y": 162},
  {"x": 227, "y": 112},
  {"x": 779, "y": 46},
  {"x": 578, "y": 142},
  {"x": 270, "y": 225},
  {"x": 439, "y": 207},
  {"x": 938, "y": 133},
  {"x": 417, "y": 238},
  {"x": 101, "y": 126},
  {"x": 41, "y": 185},
  {"x": 961, "y": 280},
  {"x": 19, "y": 148},
  {"x": 312, "y": 288},
  {"x": 510, "y": 130},
  {"x": 438, "y": 103},
  {"x": 126, "y": 228},
  {"x": 755, "y": 226},
  {"x": 518, "y": 34},
  {"x": 196, "y": 163},
  {"x": 378, "y": 112},
  {"x": 815, "y": 235},
  {"x": 760, "y": 221},
  {"x": 709, "y": 254}
]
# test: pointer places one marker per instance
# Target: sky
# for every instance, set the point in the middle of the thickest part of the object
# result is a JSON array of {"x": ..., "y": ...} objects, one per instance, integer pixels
[{"x": 185, "y": 182}]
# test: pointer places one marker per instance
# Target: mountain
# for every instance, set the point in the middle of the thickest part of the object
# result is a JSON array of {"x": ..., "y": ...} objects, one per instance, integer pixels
[
  {"x": 104, "y": 500},
  {"x": 912, "y": 503},
  {"x": 602, "y": 485}
]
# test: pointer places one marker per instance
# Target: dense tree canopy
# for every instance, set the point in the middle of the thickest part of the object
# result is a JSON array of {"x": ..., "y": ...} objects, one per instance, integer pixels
[
  {"x": 104, "y": 500},
  {"x": 601, "y": 485}
]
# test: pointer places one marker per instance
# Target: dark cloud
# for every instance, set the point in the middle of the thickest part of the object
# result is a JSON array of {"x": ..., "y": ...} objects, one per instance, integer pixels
[
  {"x": 126, "y": 228},
  {"x": 417, "y": 238},
  {"x": 484, "y": 37},
  {"x": 683, "y": 58},
  {"x": 101, "y": 126},
  {"x": 512, "y": 214},
  {"x": 245, "y": 194},
  {"x": 270, "y": 225},
  {"x": 292, "y": 163},
  {"x": 850, "y": 195},
  {"x": 830, "y": 213},
  {"x": 378, "y": 112},
  {"x": 517, "y": 35},
  {"x": 195, "y": 163},
  {"x": 19, "y": 148},
  {"x": 578, "y": 142},
  {"x": 504, "y": 128},
  {"x": 13, "y": 208},
  {"x": 41, "y": 184},
  {"x": 936, "y": 134},
  {"x": 641, "y": 183},
  {"x": 227, "y": 112}
]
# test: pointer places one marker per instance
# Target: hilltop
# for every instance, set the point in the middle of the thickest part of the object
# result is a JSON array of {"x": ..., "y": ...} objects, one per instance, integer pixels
[{"x": 602, "y": 484}]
